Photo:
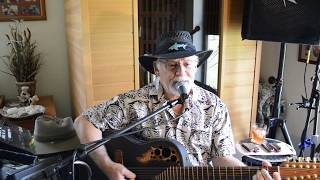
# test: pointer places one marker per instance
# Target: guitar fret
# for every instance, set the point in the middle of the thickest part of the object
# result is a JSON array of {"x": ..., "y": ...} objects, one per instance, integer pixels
[
  {"x": 219, "y": 172},
  {"x": 208, "y": 172},
  {"x": 214, "y": 177},
  {"x": 233, "y": 173},
  {"x": 192, "y": 172},
  {"x": 188, "y": 174},
  {"x": 241, "y": 172},
  {"x": 161, "y": 177},
  {"x": 226, "y": 173},
  {"x": 202, "y": 172},
  {"x": 197, "y": 172}
]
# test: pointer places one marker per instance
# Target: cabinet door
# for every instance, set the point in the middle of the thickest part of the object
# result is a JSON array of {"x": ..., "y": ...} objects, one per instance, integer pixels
[
  {"x": 239, "y": 70},
  {"x": 112, "y": 28},
  {"x": 103, "y": 49}
]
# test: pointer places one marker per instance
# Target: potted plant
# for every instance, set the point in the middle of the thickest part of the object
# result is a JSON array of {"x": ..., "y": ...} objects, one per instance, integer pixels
[{"x": 23, "y": 61}]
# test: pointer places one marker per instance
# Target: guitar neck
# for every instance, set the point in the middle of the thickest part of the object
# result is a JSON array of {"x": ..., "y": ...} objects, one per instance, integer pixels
[
  {"x": 219, "y": 173},
  {"x": 196, "y": 172},
  {"x": 203, "y": 173}
]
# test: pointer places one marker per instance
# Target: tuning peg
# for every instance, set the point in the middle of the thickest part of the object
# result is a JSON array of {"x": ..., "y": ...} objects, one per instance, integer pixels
[
  {"x": 314, "y": 176},
  {"x": 307, "y": 159},
  {"x": 300, "y": 159},
  {"x": 314, "y": 159}
]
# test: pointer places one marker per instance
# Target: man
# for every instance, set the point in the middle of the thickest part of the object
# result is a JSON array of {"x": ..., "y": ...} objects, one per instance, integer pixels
[{"x": 201, "y": 124}]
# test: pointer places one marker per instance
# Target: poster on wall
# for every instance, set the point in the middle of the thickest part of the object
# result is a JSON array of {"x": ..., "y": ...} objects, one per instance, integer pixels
[{"x": 27, "y": 10}]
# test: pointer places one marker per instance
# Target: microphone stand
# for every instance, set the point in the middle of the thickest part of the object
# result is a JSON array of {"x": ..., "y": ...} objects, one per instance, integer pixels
[
  {"x": 84, "y": 149},
  {"x": 313, "y": 105}
]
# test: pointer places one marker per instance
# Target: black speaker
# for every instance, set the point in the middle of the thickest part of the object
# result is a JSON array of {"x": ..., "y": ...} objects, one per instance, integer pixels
[{"x": 289, "y": 21}]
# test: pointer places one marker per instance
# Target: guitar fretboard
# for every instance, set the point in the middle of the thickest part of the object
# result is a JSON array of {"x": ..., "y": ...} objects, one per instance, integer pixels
[{"x": 198, "y": 173}]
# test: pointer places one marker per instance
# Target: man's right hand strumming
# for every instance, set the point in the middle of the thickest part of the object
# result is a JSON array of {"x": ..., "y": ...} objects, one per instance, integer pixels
[
  {"x": 88, "y": 133},
  {"x": 116, "y": 171}
]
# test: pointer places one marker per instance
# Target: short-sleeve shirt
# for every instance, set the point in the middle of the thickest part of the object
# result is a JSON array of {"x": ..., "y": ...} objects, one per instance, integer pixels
[{"x": 204, "y": 129}]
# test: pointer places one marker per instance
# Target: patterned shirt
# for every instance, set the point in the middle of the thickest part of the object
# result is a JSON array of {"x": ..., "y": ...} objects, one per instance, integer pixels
[{"x": 204, "y": 130}]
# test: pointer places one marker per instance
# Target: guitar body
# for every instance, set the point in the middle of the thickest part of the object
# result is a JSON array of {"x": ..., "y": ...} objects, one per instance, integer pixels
[{"x": 133, "y": 152}]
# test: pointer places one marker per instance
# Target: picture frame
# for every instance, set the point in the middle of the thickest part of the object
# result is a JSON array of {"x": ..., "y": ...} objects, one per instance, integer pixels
[
  {"x": 27, "y": 10},
  {"x": 303, "y": 53}
]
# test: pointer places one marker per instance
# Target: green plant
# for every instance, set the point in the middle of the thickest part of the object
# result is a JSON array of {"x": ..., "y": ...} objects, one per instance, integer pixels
[{"x": 23, "y": 60}]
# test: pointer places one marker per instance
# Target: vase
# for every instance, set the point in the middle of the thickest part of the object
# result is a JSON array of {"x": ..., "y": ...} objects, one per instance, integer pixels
[{"x": 30, "y": 84}]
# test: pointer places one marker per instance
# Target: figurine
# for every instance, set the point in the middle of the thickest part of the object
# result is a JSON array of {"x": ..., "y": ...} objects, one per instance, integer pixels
[
  {"x": 25, "y": 98},
  {"x": 33, "y": 100},
  {"x": 24, "y": 95}
]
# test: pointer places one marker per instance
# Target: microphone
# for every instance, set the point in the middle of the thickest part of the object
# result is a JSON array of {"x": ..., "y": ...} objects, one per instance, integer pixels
[{"x": 182, "y": 87}]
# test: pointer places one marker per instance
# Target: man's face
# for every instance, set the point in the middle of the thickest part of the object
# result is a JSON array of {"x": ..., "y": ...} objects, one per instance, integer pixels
[{"x": 174, "y": 70}]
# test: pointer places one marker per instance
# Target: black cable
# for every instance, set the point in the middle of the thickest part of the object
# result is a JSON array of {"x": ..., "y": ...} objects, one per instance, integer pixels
[{"x": 74, "y": 155}]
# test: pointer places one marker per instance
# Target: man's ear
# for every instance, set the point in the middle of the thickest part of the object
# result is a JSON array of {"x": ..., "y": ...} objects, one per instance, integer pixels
[{"x": 155, "y": 68}]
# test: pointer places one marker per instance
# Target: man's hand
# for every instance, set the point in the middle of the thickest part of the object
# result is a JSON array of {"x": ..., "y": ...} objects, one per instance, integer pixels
[
  {"x": 87, "y": 133},
  {"x": 116, "y": 171},
  {"x": 263, "y": 174}
]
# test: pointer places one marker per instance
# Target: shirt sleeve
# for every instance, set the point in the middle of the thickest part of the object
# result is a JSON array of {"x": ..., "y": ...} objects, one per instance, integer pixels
[
  {"x": 223, "y": 143},
  {"x": 107, "y": 115}
]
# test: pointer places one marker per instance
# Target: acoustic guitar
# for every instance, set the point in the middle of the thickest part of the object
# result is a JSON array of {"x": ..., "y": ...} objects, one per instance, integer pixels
[{"x": 168, "y": 160}]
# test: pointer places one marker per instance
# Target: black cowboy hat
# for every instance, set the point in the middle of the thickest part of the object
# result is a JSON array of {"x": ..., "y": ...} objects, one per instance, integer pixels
[{"x": 173, "y": 45}]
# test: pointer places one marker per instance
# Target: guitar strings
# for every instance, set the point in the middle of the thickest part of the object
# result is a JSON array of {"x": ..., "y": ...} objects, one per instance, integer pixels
[{"x": 223, "y": 171}]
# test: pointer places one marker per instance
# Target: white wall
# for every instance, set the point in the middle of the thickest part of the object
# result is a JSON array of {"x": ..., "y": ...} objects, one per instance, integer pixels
[
  {"x": 53, "y": 78},
  {"x": 198, "y": 9},
  {"x": 293, "y": 87}
]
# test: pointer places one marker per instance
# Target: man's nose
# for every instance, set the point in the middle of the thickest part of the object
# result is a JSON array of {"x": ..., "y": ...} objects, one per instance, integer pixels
[{"x": 180, "y": 70}]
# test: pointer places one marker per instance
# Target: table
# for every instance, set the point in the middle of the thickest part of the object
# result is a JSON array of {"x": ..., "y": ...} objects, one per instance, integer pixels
[
  {"x": 28, "y": 123},
  {"x": 255, "y": 158}
]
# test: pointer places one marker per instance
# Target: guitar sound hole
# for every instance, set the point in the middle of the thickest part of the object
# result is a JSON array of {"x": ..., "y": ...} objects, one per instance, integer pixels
[
  {"x": 166, "y": 152},
  {"x": 157, "y": 152}
]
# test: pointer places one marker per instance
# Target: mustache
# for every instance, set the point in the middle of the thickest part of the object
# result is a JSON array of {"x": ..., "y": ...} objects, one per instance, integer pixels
[{"x": 179, "y": 79}]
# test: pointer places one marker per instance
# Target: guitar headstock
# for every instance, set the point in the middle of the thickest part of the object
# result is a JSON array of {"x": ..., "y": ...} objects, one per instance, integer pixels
[{"x": 302, "y": 168}]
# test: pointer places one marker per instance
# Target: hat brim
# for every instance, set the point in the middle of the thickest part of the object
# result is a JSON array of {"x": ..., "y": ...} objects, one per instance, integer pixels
[
  {"x": 147, "y": 60},
  {"x": 47, "y": 148}
]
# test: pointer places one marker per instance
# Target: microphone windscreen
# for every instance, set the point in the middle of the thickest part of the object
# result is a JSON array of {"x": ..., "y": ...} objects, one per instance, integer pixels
[{"x": 182, "y": 87}]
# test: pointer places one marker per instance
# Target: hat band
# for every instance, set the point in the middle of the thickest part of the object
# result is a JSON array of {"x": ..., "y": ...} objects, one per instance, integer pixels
[{"x": 175, "y": 47}]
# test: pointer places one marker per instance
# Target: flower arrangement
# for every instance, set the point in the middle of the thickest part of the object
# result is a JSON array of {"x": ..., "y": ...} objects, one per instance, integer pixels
[{"x": 23, "y": 60}]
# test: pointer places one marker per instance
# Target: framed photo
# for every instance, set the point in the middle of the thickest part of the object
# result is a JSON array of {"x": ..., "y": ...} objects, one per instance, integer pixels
[
  {"x": 303, "y": 54},
  {"x": 28, "y": 10}
]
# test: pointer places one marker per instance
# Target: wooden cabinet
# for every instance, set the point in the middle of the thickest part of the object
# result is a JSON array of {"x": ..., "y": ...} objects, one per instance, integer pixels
[
  {"x": 239, "y": 69},
  {"x": 103, "y": 49}
]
